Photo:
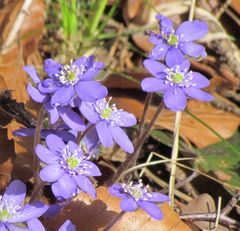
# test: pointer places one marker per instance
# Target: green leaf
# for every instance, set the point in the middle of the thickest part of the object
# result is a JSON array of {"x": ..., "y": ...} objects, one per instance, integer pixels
[{"x": 221, "y": 160}]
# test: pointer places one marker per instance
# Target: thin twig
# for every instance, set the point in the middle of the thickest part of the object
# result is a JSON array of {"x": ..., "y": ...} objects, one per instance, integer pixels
[
  {"x": 147, "y": 164},
  {"x": 231, "y": 204},
  {"x": 138, "y": 146},
  {"x": 224, "y": 220},
  {"x": 180, "y": 184}
]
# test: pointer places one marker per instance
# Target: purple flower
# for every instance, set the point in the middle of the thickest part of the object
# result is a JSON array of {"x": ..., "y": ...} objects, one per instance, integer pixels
[
  {"x": 109, "y": 120},
  {"x": 66, "y": 167},
  {"x": 12, "y": 211},
  {"x": 76, "y": 78},
  {"x": 176, "y": 82},
  {"x": 71, "y": 118},
  {"x": 67, "y": 226},
  {"x": 137, "y": 195},
  {"x": 174, "y": 44}
]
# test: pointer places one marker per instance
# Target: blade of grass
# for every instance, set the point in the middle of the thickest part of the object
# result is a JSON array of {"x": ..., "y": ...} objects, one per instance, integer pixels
[
  {"x": 109, "y": 15},
  {"x": 99, "y": 12}
]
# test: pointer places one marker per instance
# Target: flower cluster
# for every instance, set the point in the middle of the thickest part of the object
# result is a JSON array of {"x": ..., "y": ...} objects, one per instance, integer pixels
[
  {"x": 174, "y": 79},
  {"x": 81, "y": 118}
]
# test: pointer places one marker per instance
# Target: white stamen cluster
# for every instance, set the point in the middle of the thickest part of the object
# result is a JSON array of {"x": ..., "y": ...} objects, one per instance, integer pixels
[
  {"x": 69, "y": 74},
  {"x": 108, "y": 112},
  {"x": 137, "y": 191},
  {"x": 7, "y": 209},
  {"x": 180, "y": 79},
  {"x": 72, "y": 163}
]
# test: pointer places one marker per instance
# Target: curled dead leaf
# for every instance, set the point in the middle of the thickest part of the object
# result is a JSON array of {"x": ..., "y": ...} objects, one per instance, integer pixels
[{"x": 92, "y": 215}]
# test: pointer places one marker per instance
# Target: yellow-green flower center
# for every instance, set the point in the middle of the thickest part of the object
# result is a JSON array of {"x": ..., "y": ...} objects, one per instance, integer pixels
[
  {"x": 72, "y": 162},
  {"x": 71, "y": 76},
  {"x": 173, "y": 39},
  {"x": 106, "y": 113},
  {"x": 177, "y": 78},
  {"x": 137, "y": 193},
  {"x": 4, "y": 215}
]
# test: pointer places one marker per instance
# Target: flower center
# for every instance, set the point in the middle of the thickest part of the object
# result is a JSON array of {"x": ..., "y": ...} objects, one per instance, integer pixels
[
  {"x": 137, "y": 191},
  {"x": 177, "y": 77},
  {"x": 4, "y": 215},
  {"x": 7, "y": 209},
  {"x": 172, "y": 40},
  {"x": 106, "y": 113},
  {"x": 69, "y": 74},
  {"x": 72, "y": 162}
]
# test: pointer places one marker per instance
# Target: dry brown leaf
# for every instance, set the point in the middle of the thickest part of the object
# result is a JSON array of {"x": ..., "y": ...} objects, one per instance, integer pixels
[
  {"x": 92, "y": 215},
  {"x": 20, "y": 52},
  {"x": 7, "y": 156},
  {"x": 224, "y": 123}
]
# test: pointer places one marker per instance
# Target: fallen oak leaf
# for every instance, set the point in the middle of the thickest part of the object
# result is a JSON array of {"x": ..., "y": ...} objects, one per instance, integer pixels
[{"x": 83, "y": 209}]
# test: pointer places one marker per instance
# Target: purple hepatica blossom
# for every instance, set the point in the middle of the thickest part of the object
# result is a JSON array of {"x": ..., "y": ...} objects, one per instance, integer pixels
[
  {"x": 67, "y": 226},
  {"x": 137, "y": 195},
  {"x": 77, "y": 78},
  {"x": 176, "y": 81},
  {"x": 173, "y": 45},
  {"x": 12, "y": 212},
  {"x": 67, "y": 167},
  {"x": 108, "y": 120},
  {"x": 71, "y": 118}
]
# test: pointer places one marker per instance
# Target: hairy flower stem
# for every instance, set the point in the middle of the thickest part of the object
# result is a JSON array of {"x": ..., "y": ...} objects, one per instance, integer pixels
[
  {"x": 174, "y": 154},
  {"x": 37, "y": 189},
  {"x": 37, "y": 139},
  {"x": 144, "y": 115},
  {"x": 131, "y": 158},
  {"x": 114, "y": 220},
  {"x": 80, "y": 137},
  {"x": 142, "y": 122}
]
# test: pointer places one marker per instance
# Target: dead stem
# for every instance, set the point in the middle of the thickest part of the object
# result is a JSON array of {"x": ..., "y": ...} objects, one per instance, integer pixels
[
  {"x": 138, "y": 146},
  {"x": 37, "y": 139},
  {"x": 224, "y": 220}
]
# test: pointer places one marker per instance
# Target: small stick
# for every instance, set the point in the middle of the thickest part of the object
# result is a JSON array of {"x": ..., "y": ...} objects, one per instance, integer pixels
[
  {"x": 230, "y": 205},
  {"x": 224, "y": 220}
]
